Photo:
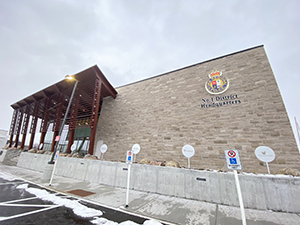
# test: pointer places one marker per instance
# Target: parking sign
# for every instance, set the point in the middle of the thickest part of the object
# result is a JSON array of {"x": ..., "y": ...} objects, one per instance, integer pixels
[
  {"x": 233, "y": 159},
  {"x": 129, "y": 157}
]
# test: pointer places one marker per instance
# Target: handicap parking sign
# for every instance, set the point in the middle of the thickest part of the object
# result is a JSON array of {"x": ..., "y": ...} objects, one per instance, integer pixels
[
  {"x": 233, "y": 161},
  {"x": 129, "y": 157}
]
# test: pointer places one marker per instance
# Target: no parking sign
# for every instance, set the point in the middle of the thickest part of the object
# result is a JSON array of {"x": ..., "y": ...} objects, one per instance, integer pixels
[
  {"x": 233, "y": 159},
  {"x": 129, "y": 157}
]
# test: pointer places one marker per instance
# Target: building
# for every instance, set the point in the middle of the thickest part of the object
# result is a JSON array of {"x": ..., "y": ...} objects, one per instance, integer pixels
[{"x": 230, "y": 102}]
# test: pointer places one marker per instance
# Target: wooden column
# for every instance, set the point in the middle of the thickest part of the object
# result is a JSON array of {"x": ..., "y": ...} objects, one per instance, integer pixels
[
  {"x": 33, "y": 124},
  {"x": 44, "y": 125},
  {"x": 73, "y": 119},
  {"x": 12, "y": 127},
  {"x": 25, "y": 126},
  {"x": 94, "y": 116},
  {"x": 53, "y": 140},
  {"x": 71, "y": 140},
  {"x": 57, "y": 121},
  {"x": 18, "y": 126}
]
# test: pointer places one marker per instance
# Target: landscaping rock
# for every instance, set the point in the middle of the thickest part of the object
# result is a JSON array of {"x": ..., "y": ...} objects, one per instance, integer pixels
[
  {"x": 40, "y": 152},
  {"x": 173, "y": 164},
  {"x": 145, "y": 161},
  {"x": 88, "y": 156},
  {"x": 76, "y": 155},
  {"x": 32, "y": 150},
  {"x": 289, "y": 171}
]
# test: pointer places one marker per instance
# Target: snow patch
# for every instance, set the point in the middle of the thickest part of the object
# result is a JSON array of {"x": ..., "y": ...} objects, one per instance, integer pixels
[
  {"x": 22, "y": 186},
  {"x": 100, "y": 221},
  {"x": 151, "y": 222},
  {"x": 77, "y": 208},
  {"x": 103, "y": 221}
]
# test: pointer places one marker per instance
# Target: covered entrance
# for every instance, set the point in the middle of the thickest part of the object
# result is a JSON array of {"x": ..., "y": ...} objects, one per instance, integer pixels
[{"x": 49, "y": 106}]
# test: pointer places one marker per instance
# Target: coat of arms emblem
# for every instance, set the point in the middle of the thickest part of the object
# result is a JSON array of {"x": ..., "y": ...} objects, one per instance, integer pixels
[{"x": 217, "y": 83}]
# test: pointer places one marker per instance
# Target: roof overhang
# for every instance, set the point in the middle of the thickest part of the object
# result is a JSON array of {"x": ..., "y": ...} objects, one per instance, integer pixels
[{"x": 63, "y": 89}]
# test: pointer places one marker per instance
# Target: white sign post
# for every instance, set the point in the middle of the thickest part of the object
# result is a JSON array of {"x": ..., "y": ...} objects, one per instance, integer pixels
[
  {"x": 103, "y": 149},
  {"x": 234, "y": 163},
  {"x": 73, "y": 147},
  {"x": 188, "y": 151},
  {"x": 129, "y": 162},
  {"x": 41, "y": 145},
  {"x": 135, "y": 149},
  {"x": 265, "y": 154}
]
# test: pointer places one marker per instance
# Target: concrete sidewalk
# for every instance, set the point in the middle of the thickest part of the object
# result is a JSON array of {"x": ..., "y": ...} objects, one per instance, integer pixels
[{"x": 161, "y": 207}]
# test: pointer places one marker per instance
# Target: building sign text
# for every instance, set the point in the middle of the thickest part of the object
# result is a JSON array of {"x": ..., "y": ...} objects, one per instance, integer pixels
[{"x": 220, "y": 101}]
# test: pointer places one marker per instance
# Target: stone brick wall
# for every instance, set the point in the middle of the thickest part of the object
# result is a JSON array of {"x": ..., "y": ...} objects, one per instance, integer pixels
[{"x": 166, "y": 112}]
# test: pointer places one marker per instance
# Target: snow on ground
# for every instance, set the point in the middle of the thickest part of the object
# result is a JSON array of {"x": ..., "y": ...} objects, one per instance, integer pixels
[
  {"x": 107, "y": 222},
  {"x": 78, "y": 208}
]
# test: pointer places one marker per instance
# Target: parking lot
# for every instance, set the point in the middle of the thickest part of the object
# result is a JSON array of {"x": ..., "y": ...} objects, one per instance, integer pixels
[{"x": 26, "y": 203}]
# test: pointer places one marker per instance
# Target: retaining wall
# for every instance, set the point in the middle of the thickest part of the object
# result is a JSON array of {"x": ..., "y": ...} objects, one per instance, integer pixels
[
  {"x": 33, "y": 161},
  {"x": 2, "y": 154},
  {"x": 278, "y": 193}
]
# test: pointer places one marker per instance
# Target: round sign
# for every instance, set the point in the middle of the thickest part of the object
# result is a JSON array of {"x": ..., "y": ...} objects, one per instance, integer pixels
[
  {"x": 265, "y": 154},
  {"x": 136, "y": 148},
  {"x": 41, "y": 146},
  {"x": 188, "y": 151},
  {"x": 103, "y": 148},
  {"x": 98, "y": 146},
  {"x": 73, "y": 147},
  {"x": 231, "y": 154}
]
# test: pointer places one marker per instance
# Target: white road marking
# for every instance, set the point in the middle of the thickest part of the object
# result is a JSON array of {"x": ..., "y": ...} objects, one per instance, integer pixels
[
  {"x": 25, "y": 205},
  {"x": 17, "y": 182},
  {"x": 29, "y": 213},
  {"x": 18, "y": 200}
]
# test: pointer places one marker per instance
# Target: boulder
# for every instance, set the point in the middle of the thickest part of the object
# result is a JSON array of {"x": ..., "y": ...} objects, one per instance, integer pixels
[
  {"x": 32, "y": 150},
  {"x": 76, "y": 155},
  {"x": 173, "y": 164},
  {"x": 62, "y": 154},
  {"x": 40, "y": 152},
  {"x": 154, "y": 163},
  {"x": 157, "y": 163},
  {"x": 88, "y": 156},
  {"x": 145, "y": 161}
]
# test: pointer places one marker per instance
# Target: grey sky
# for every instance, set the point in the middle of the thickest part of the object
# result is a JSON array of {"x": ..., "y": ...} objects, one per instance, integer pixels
[{"x": 42, "y": 41}]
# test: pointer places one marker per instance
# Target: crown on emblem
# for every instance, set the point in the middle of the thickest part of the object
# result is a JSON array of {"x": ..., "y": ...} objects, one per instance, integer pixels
[{"x": 215, "y": 73}]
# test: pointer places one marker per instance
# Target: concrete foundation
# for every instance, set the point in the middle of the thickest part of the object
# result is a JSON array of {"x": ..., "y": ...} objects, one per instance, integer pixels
[
  {"x": 48, "y": 169},
  {"x": 2, "y": 154},
  {"x": 272, "y": 192}
]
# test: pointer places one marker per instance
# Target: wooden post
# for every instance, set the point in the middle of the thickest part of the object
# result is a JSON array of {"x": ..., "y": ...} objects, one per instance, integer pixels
[
  {"x": 94, "y": 116},
  {"x": 12, "y": 127}
]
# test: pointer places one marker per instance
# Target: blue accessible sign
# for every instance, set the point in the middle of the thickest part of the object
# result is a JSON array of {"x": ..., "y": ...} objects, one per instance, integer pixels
[
  {"x": 233, "y": 159},
  {"x": 129, "y": 157}
]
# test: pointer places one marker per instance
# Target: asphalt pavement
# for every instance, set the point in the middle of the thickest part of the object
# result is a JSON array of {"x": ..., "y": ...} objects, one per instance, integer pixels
[
  {"x": 18, "y": 206},
  {"x": 166, "y": 209}
]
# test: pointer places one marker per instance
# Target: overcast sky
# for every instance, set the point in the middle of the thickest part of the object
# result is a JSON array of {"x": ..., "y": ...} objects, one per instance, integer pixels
[{"x": 130, "y": 40}]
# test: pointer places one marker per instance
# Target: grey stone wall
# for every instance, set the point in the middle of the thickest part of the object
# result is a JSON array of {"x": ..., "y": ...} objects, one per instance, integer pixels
[{"x": 164, "y": 113}]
